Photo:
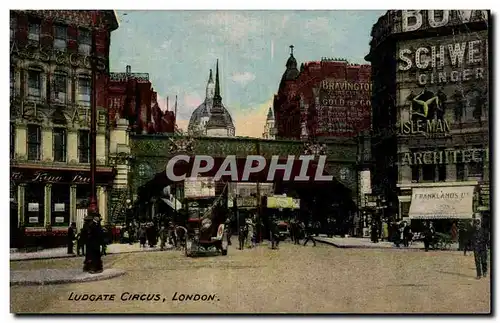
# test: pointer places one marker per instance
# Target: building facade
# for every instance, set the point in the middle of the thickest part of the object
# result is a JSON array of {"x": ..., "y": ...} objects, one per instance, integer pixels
[
  {"x": 269, "y": 129},
  {"x": 50, "y": 100},
  {"x": 212, "y": 118},
  {"x": 431, "y": 111},
  {"x": 325, "y": 99},
  {"x": 132, "y": 109}
]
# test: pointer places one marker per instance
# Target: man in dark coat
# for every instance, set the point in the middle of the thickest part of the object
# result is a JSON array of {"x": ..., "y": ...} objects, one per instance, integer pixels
[
  {"x": 71, "y": 237},
  {"x": 93, "y": 261},
  {"x": 480, "y": 246}
]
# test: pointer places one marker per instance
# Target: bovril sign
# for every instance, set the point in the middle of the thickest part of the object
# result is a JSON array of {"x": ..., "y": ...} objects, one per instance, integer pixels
[{"x": 413, "y": 20}]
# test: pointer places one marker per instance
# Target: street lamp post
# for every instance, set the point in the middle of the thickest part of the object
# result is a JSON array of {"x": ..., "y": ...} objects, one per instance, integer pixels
[
  {"x": 93, "y": 208},
  {"x": 93, "y": 260}
]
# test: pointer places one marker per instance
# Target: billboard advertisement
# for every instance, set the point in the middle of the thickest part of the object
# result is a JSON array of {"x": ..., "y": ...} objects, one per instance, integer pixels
[
  {"x": 195, "y": 187},
  {"x": 344, "y": 107}
]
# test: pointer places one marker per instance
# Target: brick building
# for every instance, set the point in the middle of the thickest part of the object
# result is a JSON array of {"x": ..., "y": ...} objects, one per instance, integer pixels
[
  {"x": 132, "y": 97},
  {"x": 431, "y": 112},
  {"x": 50, "y": 100},
  {"x": 328, "y": 99}
]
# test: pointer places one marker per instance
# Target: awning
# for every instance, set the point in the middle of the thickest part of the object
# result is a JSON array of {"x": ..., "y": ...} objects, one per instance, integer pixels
[
  {"x": 172, "y": 203},
  {"x": 442, "y": 202}
]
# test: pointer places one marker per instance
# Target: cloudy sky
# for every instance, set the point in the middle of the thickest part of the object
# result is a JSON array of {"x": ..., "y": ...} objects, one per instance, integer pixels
[{"x": 178, "y": 48}]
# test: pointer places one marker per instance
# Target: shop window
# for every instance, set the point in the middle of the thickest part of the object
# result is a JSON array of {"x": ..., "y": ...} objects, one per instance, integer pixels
[
  {"x": 34, "y": 142},
  {"x": 475, "y": 169},
  {"x": 34, "y": 84},
  {"x": 60, "y": 38},
  {"x": 460, "y": 172},
  {"x": 13, "y": 27},
  {"x": 82, "y": 196},
  {"x": 415, "y": 173},
  {"x": 84, "y": 42},
  {"x": 84, "y": 91},
  {"x": 34, "y": 197},
  {"x": 84, "y": 146},
  {"x": 441, "y": 173},
  {"x": 429, "y": 173},
  {"x": 60, "y": 205},
  {"x": 60, "y": 88},
  {"x": 59, "y": 145},
  {"x": 12, "y": 141},
  {"x": 34, "y": 33}
]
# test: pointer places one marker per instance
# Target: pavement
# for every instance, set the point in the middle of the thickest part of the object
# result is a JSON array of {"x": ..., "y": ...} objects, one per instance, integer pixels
[
  {"x": 292, "y": 279},
  {"x": 116, "y": 248},
  {"x": 365, "y": 243},
  {"x": 59, "y": 276}
]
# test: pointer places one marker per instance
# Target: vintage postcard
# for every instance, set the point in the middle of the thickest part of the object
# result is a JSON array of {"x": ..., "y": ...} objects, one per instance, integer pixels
[{"x": 250, "y": 162}]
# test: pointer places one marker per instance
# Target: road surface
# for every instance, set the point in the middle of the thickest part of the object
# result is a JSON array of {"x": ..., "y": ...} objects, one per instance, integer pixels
[{"x": 294, "y": 279}]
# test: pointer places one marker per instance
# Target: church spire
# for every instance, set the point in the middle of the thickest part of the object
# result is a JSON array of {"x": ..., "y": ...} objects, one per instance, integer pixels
[
  {"x": 209, "y": 95},
  {"x": 217, "y": 119},
  {"x": 217, "y": 97}
]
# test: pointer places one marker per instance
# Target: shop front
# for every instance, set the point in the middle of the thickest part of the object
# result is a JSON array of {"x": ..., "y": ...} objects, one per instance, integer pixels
[
  {"x": 442, "y": 205},
  {"x": 47, "y": 201}
]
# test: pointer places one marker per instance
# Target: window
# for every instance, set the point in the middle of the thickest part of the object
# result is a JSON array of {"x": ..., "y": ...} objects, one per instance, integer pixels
[
  {"x": 12, "y": 141},
  {"x": 84, "y": 42},
  {"x": 475, "y": 169},
  {"x": 60, "y": 88},
  {"x": 460, "y": 172},
  {"x": 60, "y": 38},
  {"x": 429, "y": 173},
  {"x": 34, "y": 84},
  {"x": 441, "y": 173},
  {"x": 13, "y": 27},
  {"x": 84, "y": 146},
  {"x": 34, "y": 142},
  {"x": 84, "y": 91},
  {"x": 34, "y": 33},
  {"x": 59, "y": 145},
  {"x": 470, "y": 105},
  {"x": 12, "y": 81}
]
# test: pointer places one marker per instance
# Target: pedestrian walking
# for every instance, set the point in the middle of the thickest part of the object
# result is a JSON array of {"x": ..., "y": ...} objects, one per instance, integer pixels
[
  {"x": 275, "y": 240},
  {"x": 142, "y": 236},
  {"x": 385, "y": 231},
  {"x": 407, "y": 235},
  {"x": 163, "y": 236},
  {"x": 374, "y": 232},
  {"x": 454, "y": 232},
  {"x": 242, "y": 233},
  {"x": 480, "y": 246},
  {"x": 428, "y": 236},
  {"x": 227, "y": 230},
  {"x": 71, "y": 237},
  {"x": 309, "y": 235},
  {"x": 80, "y": 243}
]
